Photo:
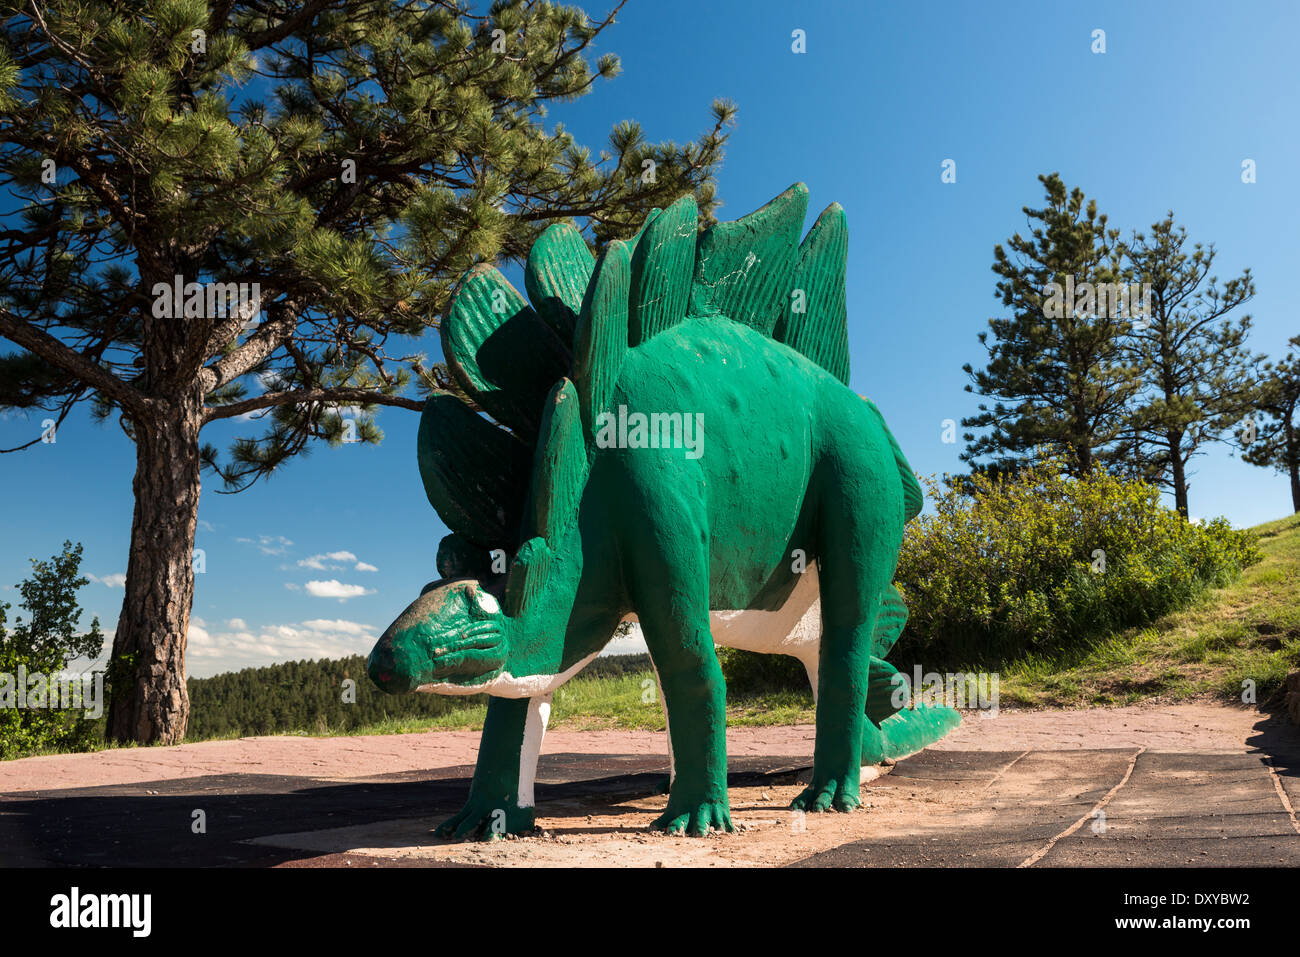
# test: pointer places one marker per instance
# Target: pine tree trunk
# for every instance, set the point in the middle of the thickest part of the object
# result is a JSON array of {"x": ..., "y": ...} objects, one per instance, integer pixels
[
  {"x": 1292, "y": 448},
  {"x": 150, "y": 704},
  {"x": 1179, "y": 472},
  {"x": 1083, "y": 457}
]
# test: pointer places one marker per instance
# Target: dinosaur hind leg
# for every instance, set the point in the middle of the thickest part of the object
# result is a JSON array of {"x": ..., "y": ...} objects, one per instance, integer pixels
[{"x": 860, "y": 529}]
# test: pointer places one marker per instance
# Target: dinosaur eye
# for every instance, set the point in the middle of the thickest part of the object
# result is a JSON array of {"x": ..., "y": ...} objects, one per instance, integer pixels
[{"x": 486, "y": 601}]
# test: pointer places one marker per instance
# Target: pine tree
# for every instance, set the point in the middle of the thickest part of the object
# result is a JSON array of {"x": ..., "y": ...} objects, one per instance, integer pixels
[
  {"x": 345, "y": 160},
  {"x": 1056, "y": 374},
  {"x": 1196, "y": 371},
  {"x": 1276, "y": 439}
]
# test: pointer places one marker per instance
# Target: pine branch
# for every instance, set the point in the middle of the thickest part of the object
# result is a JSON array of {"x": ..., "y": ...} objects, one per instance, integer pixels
[
  {"x": 332, "y": 396},
  {"x": 57, "y": 354}
]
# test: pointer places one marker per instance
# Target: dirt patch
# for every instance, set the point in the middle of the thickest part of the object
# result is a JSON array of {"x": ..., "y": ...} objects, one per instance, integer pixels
[
  {"x": 1292, "y": 696},
  {"x": 350, "y": 758},
  {"x": 1192, "y": 726},
  {"x": 603, "y": 834}
]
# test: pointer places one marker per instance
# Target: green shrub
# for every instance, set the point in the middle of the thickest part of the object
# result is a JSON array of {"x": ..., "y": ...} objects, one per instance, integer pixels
[
  {"x": 1039, "y": 560},
  {"x": 1004, "y": 566},
  {"x": 748, "y": 673}
]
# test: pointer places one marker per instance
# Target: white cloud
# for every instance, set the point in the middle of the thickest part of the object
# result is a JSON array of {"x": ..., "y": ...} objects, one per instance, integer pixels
[
  {"x": 336, "y": 589},
  {"x": 212, "y": 653},
  {"x": 318, "y": 562},
  {"x": 268, "y": 544},
  {"x": 338, "y": 625},
  {"x": 633, "y": 643},
  {"x": 365, "y": 567},
  {"x": 270, "y": 381},
  {"x": 116, "y": 580}
]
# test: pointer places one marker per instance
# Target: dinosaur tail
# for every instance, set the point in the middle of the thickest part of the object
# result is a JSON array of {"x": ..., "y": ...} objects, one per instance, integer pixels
[
  {"x": 906, "y": 732},
  {"x": 893, "y": 728}
]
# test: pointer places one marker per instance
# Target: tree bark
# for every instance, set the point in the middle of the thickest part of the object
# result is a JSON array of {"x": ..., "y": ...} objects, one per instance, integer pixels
[
  {"x": 1291, "y": 452},
  {"x": 1179, "y": 472},
  {"x": 150, "y": 704}
]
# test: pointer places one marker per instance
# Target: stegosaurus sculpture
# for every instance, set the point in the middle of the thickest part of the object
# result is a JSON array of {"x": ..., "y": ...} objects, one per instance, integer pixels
[{"x": 674, "y": 442}]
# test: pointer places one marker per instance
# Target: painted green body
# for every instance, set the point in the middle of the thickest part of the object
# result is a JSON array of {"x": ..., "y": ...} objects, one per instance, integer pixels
[{"x": 769, "y": 466}]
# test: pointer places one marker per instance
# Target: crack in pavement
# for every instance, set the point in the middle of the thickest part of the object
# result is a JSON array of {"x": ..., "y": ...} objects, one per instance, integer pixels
[
  {"x": 994, "y": 780},
  {"x": 1042, "y": 851}
]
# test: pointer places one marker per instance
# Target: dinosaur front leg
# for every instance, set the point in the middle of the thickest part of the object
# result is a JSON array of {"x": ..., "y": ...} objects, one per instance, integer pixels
[{"x": 501, "y": 793}]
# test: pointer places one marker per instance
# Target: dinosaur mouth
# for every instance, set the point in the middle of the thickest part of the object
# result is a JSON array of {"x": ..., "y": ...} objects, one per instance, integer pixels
[
  {"x": 396, "y": 667},
  {"x": 478, "y": 653},
  {"x": 450, "y": 637}
]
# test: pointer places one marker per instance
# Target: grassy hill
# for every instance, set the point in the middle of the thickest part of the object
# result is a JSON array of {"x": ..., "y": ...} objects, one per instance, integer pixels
[{"x": 1248, "y": 631}]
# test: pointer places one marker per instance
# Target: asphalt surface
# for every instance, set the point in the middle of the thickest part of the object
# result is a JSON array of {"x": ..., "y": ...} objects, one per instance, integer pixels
[{"x": 1098, "y": 808}]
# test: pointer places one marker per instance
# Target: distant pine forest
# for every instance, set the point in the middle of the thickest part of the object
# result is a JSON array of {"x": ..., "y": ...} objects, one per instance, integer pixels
[{"x": 312, "y": 697}]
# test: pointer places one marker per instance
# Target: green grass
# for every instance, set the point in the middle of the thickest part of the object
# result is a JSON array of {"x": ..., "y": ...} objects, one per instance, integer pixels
[
  {"x": 1247, "y": 631},
  {"x": 627, "y": 703}
]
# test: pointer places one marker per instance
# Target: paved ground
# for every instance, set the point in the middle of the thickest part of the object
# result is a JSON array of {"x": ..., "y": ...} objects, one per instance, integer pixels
[{"x": 1166, "y": 786}]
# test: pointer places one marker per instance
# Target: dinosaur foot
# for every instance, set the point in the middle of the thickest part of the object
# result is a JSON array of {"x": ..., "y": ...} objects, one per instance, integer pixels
[
  {"x": 827, "y": 795},
  {"x": 694, "y": 819},
  {"x": 478, "y": 820}
]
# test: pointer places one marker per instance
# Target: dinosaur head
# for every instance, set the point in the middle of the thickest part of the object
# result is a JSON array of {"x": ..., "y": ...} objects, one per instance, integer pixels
[{"x": 453, "y": 634}]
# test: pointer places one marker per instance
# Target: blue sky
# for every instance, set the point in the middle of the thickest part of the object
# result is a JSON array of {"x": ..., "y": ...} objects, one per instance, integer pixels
[{"x": 884, "y": 94}]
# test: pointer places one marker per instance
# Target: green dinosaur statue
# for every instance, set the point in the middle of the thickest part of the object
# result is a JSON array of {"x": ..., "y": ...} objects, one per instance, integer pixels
[{"x": 674, "y": 442}]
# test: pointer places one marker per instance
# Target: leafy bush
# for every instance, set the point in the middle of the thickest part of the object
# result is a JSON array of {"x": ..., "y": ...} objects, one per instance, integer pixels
[
  {"x": 1033, "y": 561},
  {"x": 44, "y": 644},
  {"x": 1039, "y": 560},
  {"x": 749, "y": 673}
]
